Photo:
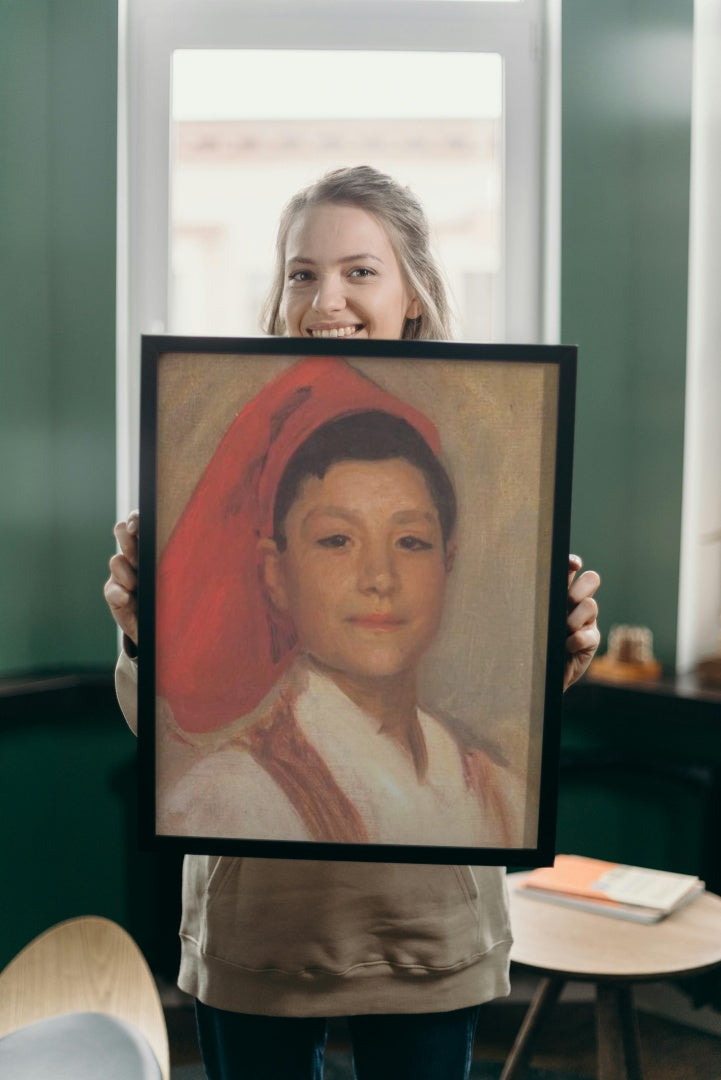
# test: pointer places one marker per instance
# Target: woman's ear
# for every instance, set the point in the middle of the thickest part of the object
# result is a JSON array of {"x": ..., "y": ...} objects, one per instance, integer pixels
[
  {"x": 415, "y": 309},
  {"x": 272, "y": 572},
  {"x": 450, "y": 555}
]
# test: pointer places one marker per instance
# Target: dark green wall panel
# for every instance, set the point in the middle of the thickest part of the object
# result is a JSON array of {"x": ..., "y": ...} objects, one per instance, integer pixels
[
  {"x": 641, "y": 777},
  {"x": 69, "y": 803},
  {"x": 26, "y": 490},
  {"x": 58, "y": 77},
  {"x": 61, "y": 786}
]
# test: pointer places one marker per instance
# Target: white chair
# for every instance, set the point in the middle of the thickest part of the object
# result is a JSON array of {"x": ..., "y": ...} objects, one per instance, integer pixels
[{"x": 80, "y": 1002}]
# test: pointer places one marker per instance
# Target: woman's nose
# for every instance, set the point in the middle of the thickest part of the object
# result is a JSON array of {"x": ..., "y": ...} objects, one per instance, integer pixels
[{"x": 329, "y": 296}]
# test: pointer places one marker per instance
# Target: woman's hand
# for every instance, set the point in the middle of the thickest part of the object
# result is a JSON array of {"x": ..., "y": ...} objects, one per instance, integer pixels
[
  {"x": 121, "y": 587},
  {"x": 582, "y": 633}
]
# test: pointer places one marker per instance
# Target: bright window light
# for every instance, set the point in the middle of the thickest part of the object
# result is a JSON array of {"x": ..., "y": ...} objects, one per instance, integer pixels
[{"x": 238, "y": 155}]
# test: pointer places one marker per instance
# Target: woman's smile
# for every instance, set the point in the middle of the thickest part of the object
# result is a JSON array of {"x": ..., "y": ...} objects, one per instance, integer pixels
[{"x": 335, "y": 331}]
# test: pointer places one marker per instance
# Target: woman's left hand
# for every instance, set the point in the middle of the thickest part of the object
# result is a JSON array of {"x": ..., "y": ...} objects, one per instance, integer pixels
[{"x": 582, "y": 633}]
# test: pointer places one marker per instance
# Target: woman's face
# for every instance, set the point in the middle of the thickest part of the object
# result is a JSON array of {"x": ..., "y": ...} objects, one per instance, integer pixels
[
  {"x": 342, "y": 277},
  {"x": 364, "y": 570}
]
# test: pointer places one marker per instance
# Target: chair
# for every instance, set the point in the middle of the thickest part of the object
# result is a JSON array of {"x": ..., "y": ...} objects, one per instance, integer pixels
[{"x": 80, "y": 1001}]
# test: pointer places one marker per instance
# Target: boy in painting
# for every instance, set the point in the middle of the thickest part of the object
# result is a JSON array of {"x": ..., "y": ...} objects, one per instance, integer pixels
[{"x": 352, "y": 567}]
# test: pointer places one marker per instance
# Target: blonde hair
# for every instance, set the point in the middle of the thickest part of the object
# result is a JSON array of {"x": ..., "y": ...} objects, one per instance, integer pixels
[{"x": 403, "y": 217}]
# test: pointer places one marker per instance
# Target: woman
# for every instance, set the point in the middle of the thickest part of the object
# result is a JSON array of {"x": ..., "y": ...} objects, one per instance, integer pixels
[{"x": 272, "y": 948}]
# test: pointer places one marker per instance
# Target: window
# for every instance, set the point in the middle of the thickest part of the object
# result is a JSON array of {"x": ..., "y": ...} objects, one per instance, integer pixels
[
  {"x": 231, "y": 105},
  {"x": 235, "y": 161}
]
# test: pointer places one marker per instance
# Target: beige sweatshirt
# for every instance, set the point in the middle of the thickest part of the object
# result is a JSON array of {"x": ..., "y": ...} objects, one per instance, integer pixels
[{"x": 321, "y": 938}]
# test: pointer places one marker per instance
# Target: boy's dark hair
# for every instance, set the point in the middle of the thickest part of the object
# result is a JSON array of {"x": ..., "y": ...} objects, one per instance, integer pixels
[{"x": 372, "y": 435}]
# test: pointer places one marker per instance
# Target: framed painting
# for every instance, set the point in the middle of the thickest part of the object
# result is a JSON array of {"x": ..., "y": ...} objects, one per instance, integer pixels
[{"x": 352, "y": 597}]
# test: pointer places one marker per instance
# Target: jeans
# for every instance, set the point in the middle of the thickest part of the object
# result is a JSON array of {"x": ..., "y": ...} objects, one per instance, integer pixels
[{"x": 414, "y": 1046}]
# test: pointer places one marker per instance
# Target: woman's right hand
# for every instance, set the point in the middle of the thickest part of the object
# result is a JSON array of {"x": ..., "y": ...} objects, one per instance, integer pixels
[{"x": 121, "y": 587}]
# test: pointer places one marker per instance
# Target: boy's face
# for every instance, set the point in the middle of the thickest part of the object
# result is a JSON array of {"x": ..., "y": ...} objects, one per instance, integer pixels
[
  {"x": 342, "y": 277},
  {"x": 364, "y": 571}
]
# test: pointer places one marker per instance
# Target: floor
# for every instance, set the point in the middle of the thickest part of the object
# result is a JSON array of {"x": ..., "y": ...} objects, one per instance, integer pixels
[{"x": 669, "y": 1051}]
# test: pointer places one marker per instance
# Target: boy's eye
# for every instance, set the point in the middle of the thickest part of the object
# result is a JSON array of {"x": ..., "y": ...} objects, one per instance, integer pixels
[
  {"x": 414, "y": 543},
  {"x": 337, "y": 540}
]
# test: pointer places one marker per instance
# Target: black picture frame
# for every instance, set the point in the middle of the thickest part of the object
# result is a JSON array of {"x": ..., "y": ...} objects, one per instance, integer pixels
[{"x": 492, "y": 678}]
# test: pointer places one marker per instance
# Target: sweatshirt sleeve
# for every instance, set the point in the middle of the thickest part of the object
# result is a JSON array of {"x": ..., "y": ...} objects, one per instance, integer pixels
[{"x": 126, "y": 688}]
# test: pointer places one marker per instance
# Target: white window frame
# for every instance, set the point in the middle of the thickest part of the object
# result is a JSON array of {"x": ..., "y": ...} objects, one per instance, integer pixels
[
  {"x": 526, "y": 34},
  {"x": 699, "y": 597}
]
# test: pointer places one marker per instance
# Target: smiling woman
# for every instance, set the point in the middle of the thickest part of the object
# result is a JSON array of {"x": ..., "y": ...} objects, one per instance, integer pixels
[{"x": 295, "y": 722}]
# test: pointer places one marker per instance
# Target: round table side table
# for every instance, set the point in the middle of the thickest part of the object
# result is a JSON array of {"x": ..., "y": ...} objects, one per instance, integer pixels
[{"x": 564, "y": 944}]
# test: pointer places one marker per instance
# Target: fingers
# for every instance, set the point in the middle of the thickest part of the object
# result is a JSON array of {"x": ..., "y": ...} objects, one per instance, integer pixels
[
  {"x": 582, "y": 607},
  {"x": 581, "y": 648},
  {"x": 583, "y": 587},
  {"x": 126, "y": 534},
  {"x": 123, "y": 572},
  {"x": 120, "y": 601},
  {"x": 584, "y": 641},
  {"x": 580, "y": 614},
  {"x": 123, "y": 608},
  {"x": 582, "y": 634},
  {"x": 121, "y": 587},
  {"x": 575, "y": 562}
]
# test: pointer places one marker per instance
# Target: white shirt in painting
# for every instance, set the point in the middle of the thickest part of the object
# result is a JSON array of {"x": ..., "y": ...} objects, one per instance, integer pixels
[{"x": 309, "y": 764}]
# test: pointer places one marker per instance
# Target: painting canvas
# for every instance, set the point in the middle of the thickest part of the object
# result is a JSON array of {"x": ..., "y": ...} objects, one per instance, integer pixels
[{"x": 352, "y": 597}]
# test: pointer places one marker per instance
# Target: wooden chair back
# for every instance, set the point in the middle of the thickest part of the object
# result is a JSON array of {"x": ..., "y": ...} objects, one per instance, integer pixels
[{"x": 87, "y": 964}]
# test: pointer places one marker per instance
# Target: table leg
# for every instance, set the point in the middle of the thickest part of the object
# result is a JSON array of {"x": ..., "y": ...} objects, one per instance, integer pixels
[
  {"x": 617, "y": 1033},
  {"x": 545, "y": 997}
]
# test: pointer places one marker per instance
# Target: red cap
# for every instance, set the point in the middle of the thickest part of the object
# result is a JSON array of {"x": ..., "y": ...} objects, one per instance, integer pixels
[{"x": 220, "y": 647}]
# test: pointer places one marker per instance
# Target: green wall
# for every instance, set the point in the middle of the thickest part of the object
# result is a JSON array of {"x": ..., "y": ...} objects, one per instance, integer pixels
[
  {"x": 626, "y": 133},
  {"x": 69, "y": 808},
  {"x": 66, "y": 759},
  {"x": 626, "y": 145},
  {"x": 58, "y": 72},
  {"x": 626, "y": 104}
]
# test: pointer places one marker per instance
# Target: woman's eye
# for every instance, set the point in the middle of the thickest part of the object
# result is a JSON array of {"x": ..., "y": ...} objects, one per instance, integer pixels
[
  {"x": 362, "y": 272},
  {"x": 414, "y": 543},
  {"x": 300, "y": 276},
  {"x": 337, "y": 540}
]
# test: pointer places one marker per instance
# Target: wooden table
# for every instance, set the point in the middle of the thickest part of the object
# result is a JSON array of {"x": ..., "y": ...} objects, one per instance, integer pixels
[{"x": 563, "y": 944}]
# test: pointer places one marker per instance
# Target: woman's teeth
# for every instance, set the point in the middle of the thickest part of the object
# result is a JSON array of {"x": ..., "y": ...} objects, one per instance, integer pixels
[{"x": 337, "y": 331}]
